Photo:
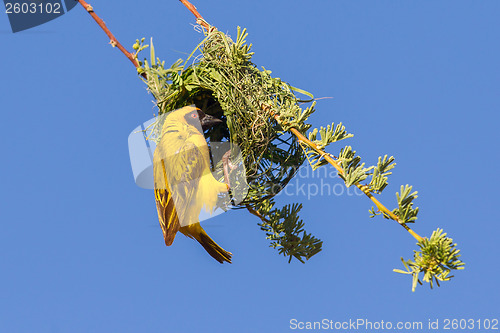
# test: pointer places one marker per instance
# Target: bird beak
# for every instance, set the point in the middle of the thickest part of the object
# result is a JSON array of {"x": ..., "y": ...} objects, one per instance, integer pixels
[{"x": 207, "y": 121}]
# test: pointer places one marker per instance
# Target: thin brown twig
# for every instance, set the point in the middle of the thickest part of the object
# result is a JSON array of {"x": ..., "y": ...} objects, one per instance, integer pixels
[
  {"x": 199, "y": 19},
  {"x": 112, "y": 39},
  {"x": 256, "y": 213}
]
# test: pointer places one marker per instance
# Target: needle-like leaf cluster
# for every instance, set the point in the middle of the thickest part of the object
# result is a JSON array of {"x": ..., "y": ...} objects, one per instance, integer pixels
[
  {"x": 286, "y": 231},
  {"x": 437, "y": 257}
]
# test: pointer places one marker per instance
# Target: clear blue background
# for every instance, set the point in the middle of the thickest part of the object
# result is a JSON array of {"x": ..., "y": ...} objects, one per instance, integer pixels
[{"x": 80, "y": 246}]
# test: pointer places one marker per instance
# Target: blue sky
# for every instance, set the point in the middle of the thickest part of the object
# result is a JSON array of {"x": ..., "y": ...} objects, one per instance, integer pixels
[{"x": 80, "y": 246}]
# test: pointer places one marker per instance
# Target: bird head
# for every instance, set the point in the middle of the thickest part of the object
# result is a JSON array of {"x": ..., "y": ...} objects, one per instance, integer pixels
[{"x": 195, "y": 117}]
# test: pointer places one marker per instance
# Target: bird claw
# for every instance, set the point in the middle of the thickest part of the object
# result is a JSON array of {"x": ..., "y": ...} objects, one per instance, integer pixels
[{"x": 228, "y": 167}]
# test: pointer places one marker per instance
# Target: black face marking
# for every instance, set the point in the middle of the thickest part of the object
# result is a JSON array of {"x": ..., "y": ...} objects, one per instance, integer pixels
[
  {"x": 194, "y": 118},
  {"x": 198, "y": 118}
]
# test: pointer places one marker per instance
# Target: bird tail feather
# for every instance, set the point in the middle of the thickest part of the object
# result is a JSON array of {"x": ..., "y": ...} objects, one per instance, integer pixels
[{"x": 217, "y": 252}]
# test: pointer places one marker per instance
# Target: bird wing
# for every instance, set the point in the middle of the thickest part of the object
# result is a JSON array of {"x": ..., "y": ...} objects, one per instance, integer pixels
[
  {"x": 188, "y": 166},
  {"x": 167, "y": 215},
  {"x": 178, "y": 165}
]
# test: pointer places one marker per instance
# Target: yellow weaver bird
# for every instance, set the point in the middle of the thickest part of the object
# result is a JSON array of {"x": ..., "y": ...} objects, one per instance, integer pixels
[{"x": 183, "y": 181}]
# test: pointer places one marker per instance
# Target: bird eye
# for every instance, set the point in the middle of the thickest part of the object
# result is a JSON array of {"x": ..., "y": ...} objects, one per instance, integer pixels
[{"x": 194, "y": 115}]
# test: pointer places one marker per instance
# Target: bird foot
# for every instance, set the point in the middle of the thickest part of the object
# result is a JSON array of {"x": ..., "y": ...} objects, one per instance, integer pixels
[{"x": 228, "y": 167}]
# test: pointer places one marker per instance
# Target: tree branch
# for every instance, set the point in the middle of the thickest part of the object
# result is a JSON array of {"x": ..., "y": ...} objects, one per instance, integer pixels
[
  {"x": 362, "y": 187},
  {"x": 199, "y": 19},
  {"x": 256, "y": 213},
  {"x": 112, "y": 39}
]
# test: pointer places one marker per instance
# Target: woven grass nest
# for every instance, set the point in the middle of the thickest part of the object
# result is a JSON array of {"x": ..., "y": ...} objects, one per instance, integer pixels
[{"x": 223, "y": 82}]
